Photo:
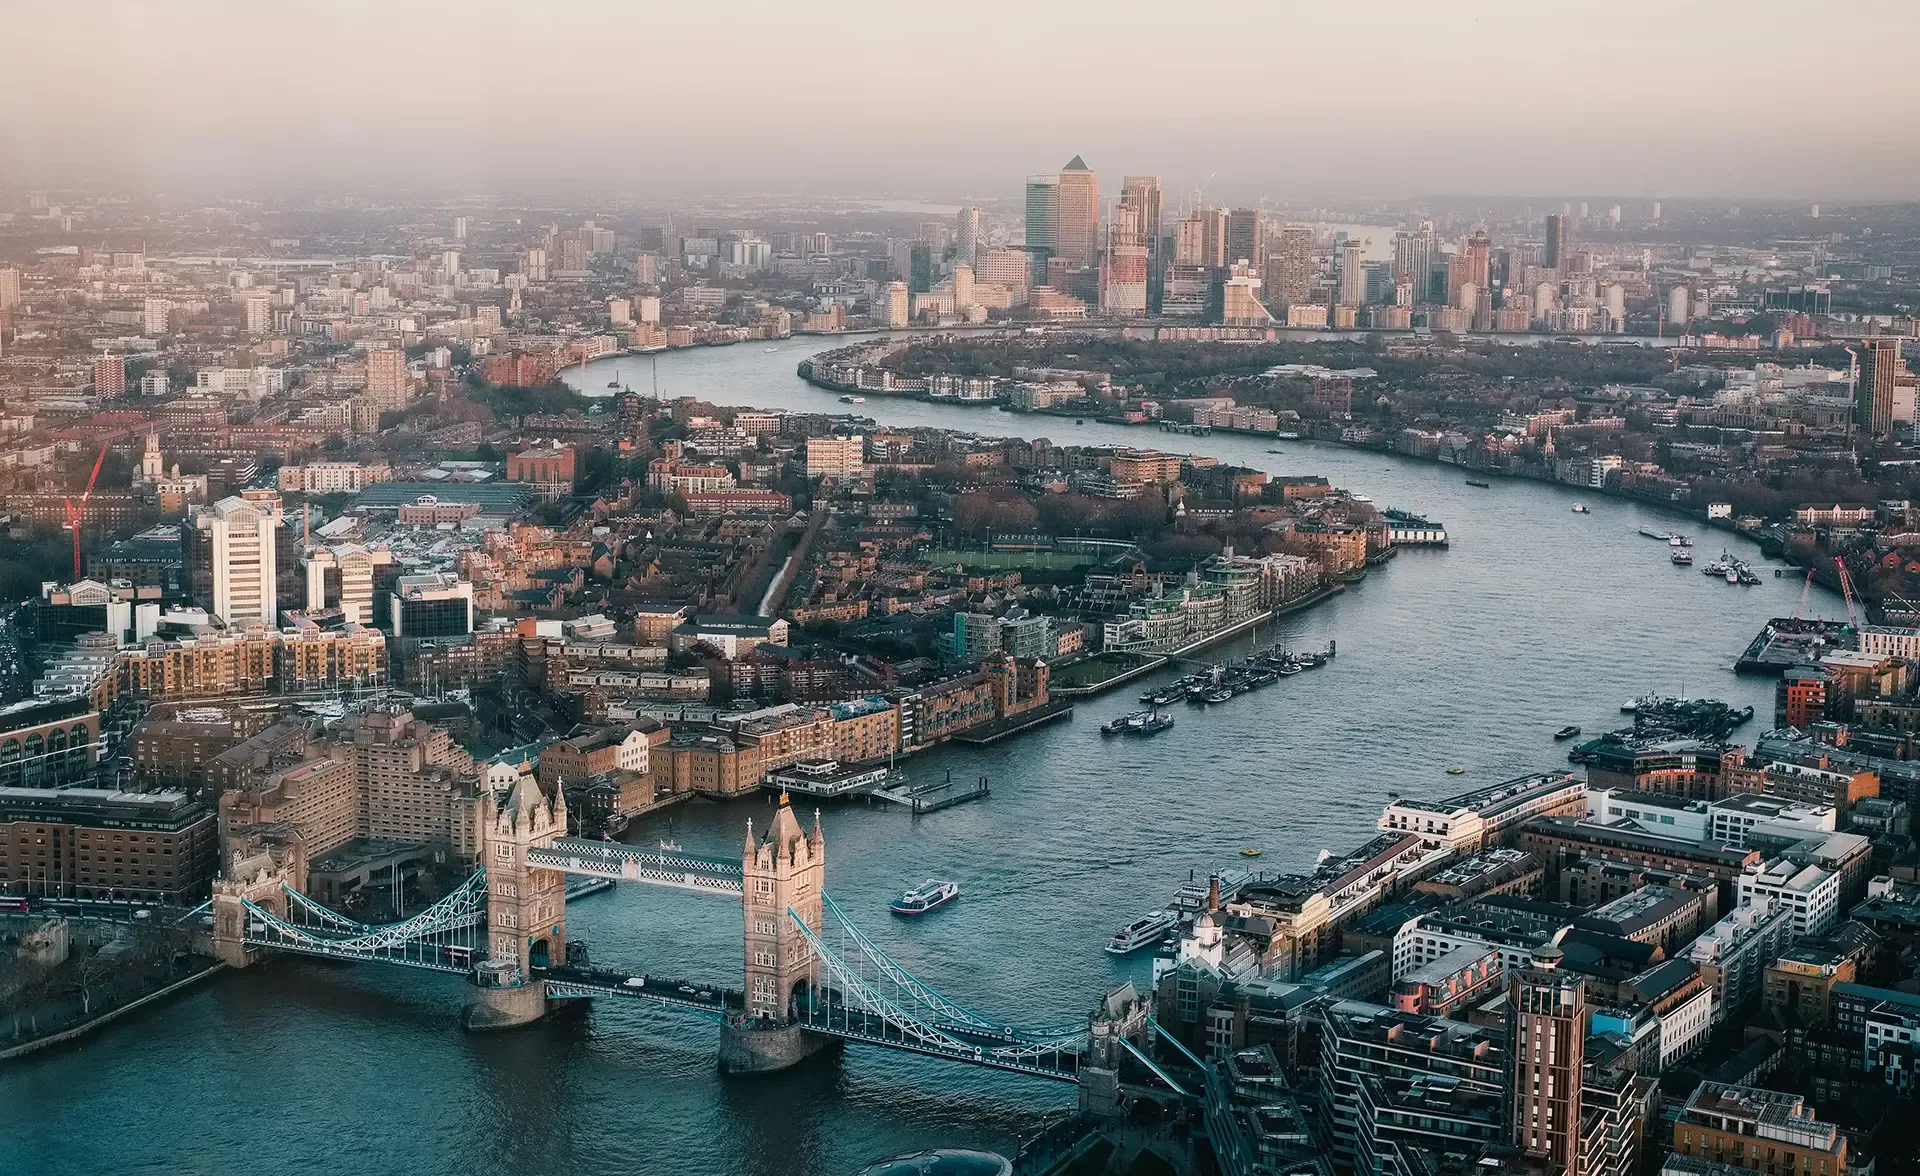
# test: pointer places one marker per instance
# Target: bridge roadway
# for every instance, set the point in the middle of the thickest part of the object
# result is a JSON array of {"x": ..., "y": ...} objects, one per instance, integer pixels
[
  {"x": 569, "y": 983},
  {"x": 955, "y": 1043},
  {"x": 621, "y": 862}
]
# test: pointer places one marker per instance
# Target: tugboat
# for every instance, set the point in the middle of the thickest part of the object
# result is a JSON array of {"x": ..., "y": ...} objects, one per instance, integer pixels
[
  {"x": 1144, "y": 931},
  {"x": 1152, "y": 725},
  {"x": 925, "y": 897},
  {"x": 1566, "y": 732},
  {"x": 1121, "y": 724},
  {"x": 1682, "y": 557}
]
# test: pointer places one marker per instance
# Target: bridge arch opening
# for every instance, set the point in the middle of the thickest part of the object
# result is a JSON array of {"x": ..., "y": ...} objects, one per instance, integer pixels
[
  {"x": 800, "y": 1000},
  {"x": 537, "y": 951}
]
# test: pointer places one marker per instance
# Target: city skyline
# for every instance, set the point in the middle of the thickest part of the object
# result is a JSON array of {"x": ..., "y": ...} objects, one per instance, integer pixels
[{"x": 1647, "y": 102}]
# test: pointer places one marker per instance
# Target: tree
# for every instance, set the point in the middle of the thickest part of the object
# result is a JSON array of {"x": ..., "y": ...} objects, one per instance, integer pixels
[{"x": 90, "y": 972}]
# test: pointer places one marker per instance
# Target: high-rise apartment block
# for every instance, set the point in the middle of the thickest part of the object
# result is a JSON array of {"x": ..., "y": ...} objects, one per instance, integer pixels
[
  {"x": 153, "y": 316},
  {"x": 1547, "y": 1011},
  {"x": 1291, "y": 269},
  {"x": 110, "y": 375},
  {"x": 9, "y": 288},
  {"x": 1353, "y": 275},
  {"x": 891, "y": 305},
  {"x": 388, "y": 384},
  {"x": 1881, "y": 371},
  {"x": 240, "y": 535}
]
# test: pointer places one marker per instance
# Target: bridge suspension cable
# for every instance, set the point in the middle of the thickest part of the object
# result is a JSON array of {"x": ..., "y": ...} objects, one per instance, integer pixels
[
  {"x": 861, "y": 1002},
  {"x": 946, "y": 1010},
  {"x": 441, "y": 938}
]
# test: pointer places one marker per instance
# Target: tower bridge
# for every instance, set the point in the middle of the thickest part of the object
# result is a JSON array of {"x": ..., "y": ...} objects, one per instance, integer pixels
[{"x": 811, "y": 977}]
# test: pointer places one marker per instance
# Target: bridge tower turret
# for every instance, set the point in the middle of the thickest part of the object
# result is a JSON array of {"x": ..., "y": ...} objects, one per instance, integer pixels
[
  {"x": 784, "y": 870},
  {"x": 526, "y": 910}
]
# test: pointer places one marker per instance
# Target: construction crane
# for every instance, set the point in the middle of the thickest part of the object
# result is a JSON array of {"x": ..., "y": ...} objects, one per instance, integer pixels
[
  {"x": 1846, "y": 589},
  {"x": 1804, "y": 589},
  {"x": 75, "y": 513}
]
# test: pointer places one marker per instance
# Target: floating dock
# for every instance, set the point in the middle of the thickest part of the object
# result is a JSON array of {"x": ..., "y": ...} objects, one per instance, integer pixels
[{"x": 931, "y": 798}]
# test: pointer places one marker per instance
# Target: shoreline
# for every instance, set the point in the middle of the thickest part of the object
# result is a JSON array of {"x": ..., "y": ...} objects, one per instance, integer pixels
[{"x": 106, "y": 1016}]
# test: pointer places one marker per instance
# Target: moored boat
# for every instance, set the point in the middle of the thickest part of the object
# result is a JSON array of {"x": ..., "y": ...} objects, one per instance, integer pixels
[
  {"x": 932, "y": 893},
  {"x": 1566, "y": 732},
  {"x": 1682, "y": 558},
  {"x": 1479, "y": 484}
]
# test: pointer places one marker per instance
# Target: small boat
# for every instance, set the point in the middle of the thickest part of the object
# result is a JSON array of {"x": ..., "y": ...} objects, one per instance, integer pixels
[
  {"x": 615, "y": 383},
  {"x": 1151, "y": 725},
  {"x": 853, "y": 400},
  {"x": 1250, "y": 851},
  {"x": 1273, "y": 451},
  {"x": 1581, "y": 508},
  {"x": 1289, "y": 669},
  {"x": 1682, "y": 557},
  {"x": 1221, "y": 695},
  {"x": 1078, "y": 421},
  {"x": 1567, "y": 732},
  {"x": 1144, "y": 931},
  {"x": 1149, "y": 696},
  {"x": 925, "y": 897},
  {"x": 1456, "y": 771},
  {"x": 1479, "y": 484},
  {"x": 771, "y": 350}
]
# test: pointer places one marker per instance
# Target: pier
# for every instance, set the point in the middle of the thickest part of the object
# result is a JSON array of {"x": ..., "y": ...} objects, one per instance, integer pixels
[{"x": 931, "y": 798}]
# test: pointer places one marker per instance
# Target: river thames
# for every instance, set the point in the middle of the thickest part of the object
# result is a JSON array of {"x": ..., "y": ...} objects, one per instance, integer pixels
[{"x": 1536, "y": 617}]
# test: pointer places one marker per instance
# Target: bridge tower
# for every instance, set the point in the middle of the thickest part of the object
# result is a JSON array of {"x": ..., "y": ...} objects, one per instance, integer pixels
[
  {"x": 526, "y": 910},
  {"x": 255, "y": 873},
  {"x": 785, "y": 870}
]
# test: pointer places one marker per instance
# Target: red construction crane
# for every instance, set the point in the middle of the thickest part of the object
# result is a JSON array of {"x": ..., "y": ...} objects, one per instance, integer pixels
[
  {"x": 74, "y": 513},
  {"x": 1846, "y": 589}
]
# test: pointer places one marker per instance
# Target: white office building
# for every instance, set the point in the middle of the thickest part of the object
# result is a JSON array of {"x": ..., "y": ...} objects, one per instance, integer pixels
[{"x": 241, "y": 536}]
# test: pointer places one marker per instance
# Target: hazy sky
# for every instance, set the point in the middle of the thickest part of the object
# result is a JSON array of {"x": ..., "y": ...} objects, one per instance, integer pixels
[{"x": 957, "y": 98}]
